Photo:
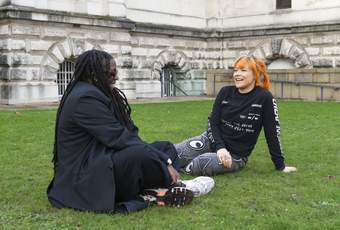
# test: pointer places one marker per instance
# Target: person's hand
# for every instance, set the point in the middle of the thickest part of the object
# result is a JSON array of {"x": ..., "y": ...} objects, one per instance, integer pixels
[
  {"x": 224, "y": 157},
  {"x": 175, "y": 177},
  {"x": 289, "y": 169}
]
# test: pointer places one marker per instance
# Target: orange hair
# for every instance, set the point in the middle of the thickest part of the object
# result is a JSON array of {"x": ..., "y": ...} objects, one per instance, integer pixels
[{"x": 258, "y": 67}]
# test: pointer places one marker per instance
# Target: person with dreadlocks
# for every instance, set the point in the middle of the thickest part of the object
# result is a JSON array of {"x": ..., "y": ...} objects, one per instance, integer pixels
[
  {"x": 100, "y": 162},
  {"x": 238, "y": 115}
]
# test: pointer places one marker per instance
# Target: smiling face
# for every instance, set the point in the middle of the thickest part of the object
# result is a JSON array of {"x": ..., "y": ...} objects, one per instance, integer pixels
[{"x": 244, "y": 77}]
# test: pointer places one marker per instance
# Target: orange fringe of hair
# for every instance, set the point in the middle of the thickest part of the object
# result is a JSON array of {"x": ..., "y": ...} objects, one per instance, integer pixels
[{"x": 258, "y": 67}]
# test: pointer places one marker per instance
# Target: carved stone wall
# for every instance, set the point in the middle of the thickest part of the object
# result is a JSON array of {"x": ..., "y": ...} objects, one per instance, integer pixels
[{"x": 33, "y": 44}]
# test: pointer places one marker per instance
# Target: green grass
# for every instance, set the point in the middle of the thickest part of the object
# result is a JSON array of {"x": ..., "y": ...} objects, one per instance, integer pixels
[{"x": 258, "y": 197}]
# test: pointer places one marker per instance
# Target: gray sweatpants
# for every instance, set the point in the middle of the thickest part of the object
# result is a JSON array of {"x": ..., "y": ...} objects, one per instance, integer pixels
[{"x": 197, "y": 158}]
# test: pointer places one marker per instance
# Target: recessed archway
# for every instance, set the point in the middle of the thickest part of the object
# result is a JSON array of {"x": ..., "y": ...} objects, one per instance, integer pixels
[{"x": 282, "y": 49}]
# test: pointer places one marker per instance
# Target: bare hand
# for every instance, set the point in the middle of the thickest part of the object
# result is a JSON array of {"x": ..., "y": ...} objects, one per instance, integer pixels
[
  {"x": 173, "y": 174},
  {"x": 224, "y": 157},
  {"x": 289, "y": 169}
]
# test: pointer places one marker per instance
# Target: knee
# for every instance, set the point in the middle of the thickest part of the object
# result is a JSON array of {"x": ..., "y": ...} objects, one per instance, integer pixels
[{"x": 203, "y": 165}]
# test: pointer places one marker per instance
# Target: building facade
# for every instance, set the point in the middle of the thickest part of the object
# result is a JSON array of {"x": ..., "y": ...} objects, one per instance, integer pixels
[{"x": 162, "y": 48}]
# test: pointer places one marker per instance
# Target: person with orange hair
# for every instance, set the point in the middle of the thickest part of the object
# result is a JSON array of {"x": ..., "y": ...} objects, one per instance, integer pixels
[{"x": 238, "y": 115}]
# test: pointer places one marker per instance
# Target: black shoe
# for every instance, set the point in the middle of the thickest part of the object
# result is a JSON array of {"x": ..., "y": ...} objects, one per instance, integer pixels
[{"x": 174, "y": 197}]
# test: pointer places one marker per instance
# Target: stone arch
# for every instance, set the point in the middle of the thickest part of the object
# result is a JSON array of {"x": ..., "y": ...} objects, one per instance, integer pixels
[
  {"x": 282, "y": 48},
  {"x": 60, "y": 51},
  {"x": 169, "y": 57}
]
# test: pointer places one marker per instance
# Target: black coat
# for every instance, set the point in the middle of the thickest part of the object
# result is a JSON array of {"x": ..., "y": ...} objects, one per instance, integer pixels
[{"x": 88, "y": 134}]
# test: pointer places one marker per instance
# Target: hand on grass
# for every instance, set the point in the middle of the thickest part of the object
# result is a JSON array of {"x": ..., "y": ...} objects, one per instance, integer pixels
[
  {"x": 224, "y": 157},
  {"x": 175, "y": 177},
  {"x": 289, "y": 169}
]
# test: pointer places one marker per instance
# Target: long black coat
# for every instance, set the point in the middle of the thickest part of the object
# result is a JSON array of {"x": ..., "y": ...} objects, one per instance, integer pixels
[{"x": 88, "y": 134}]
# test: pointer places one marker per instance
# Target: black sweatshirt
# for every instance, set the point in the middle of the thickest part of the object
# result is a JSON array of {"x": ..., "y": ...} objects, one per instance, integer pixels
[{"x": 237, "y": 119}]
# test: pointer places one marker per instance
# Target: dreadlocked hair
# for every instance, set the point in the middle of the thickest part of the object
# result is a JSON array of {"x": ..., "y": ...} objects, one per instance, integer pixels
[{"x": 93, "y": 66}]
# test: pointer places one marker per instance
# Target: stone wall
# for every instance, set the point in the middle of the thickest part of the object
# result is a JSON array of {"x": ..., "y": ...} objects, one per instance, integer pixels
[
  {"x": 34, "y": 42},
  {"x": 33, "y": 49},
  {"x": 301, "y": 84},
  {"x": 231, "y": 14}
]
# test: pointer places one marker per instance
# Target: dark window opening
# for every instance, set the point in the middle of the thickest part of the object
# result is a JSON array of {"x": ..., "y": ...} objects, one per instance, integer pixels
[
  {"x": 64, "y": 76},
  {"x": 283, "y": 4}
]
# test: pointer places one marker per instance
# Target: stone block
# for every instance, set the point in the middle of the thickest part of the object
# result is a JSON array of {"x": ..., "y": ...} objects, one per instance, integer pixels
[
  {"x": 146, "y": 63},
  {"x": 267, "y": 49},
  {"x": 111, "y": 48},
  {"x": 229, "y": 54},
  {"x": 57, "y": 54},
  {"x": 54, "y": 32},
  {"x": 25, "y": 59},
  {"x": 12, "y": 44},
  {"x": 243, "y": 52},
  {"x": 180, "y": 44},
  {"x": 28, "y": 92},
  {"x": 5, "y": 59},
  {"x": 302, "y": 60},
  {"x": 323, "y": 62},
  {"x": 194, "y": 65},
  {"x": 276, "y": 46},
  {"x": 17, "y": 44},
  {"x": 321, "y": 78},
  {"x": 154, "y": 41},
  {"x": 5, "y": 44},
  {"x": 191, "y": 44},
  {"x": 124, "y": 62},
  {"x": 305, "y": 77},
  {"x": 214, "y": 55},
  {"x": 134, "y": 41},
  {"x": 48, "y": 75},
  {"x": 41, "y": 45},
  {"x": 66, "y": 48},
  {"x": 334, "y": 78},
  {"x": 97, "y": 35},
  {"x": 295, "y": 92},
  {"x": 236, "y": 44},
  {"x": 148, "y": 89},
  {"x": 25, "y": 74},
  {"x": 19, "y": 29},
  {"x": 143, "y": 74},
  {"x": 255, "y": 43},
  {"x": 128, "y": 87},
  {"x": 322, "y": 40},
  {"x": 139, "y": 51},
  {"x": 259, "y": 53},
  {"x": 309, "y": 93},
  {"x": 39, "y": 16},
  {"x": 336, "y": 95},
  {"x": 4, "y": 29},
  {"x": 214, "y": 44},
  {"x": 337, "y": 38},
  {"x": 49, "y": 63},
  {"x": 331, "y": 51},
  {"x": 286, "y": 46},
  {"x": 4, "y": 73},
  {"x": 154, "y": 51},
  {"x": 301, "y": 40},
  {"x": 125, "y": 50},
  {"x": 313, "y": 51}
]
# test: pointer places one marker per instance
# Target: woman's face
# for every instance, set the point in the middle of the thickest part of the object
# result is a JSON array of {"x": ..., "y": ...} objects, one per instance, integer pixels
[{"x": 244, "y": 79}]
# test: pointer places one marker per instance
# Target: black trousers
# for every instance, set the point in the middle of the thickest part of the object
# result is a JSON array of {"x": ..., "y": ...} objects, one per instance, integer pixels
[{"x": 139, "y": 167}]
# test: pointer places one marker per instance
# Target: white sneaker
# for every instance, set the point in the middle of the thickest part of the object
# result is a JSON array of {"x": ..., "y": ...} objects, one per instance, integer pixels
[{"x": 200, "y": 185}]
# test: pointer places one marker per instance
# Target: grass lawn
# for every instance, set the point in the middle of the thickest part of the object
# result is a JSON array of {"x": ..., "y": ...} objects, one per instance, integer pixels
[{"x": 256, "y": 198}]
